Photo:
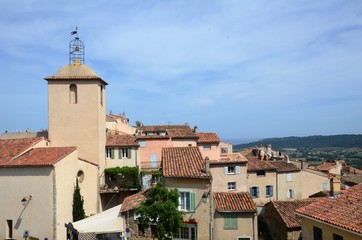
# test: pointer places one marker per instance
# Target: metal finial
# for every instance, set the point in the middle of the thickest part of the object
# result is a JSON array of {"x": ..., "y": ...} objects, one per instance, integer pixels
[{"x": 76, "y": 49}]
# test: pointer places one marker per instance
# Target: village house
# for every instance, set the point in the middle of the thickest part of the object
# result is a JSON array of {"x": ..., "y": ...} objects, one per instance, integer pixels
[
  {"x": 208, "y": 143},
  {"x": 336, "y": 218},
  {"x": 282, "y": 220},
  {"x": 185, "y": 169},
  {"x": 235, "y": 216}
]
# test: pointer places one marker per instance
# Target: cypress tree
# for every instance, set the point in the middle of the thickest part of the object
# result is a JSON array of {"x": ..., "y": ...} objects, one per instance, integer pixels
[{"x": 78, "y": 209}]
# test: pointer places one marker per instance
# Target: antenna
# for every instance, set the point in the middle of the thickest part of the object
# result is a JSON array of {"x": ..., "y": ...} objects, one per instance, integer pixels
[{"x": 76, "y": 49}]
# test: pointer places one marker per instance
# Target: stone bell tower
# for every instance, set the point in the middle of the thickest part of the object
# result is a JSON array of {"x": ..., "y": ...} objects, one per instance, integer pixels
[{"x": 76, "y": 107}]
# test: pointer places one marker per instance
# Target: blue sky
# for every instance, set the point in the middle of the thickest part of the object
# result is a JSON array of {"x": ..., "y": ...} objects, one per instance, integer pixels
[{"x": 243, "y": 69}]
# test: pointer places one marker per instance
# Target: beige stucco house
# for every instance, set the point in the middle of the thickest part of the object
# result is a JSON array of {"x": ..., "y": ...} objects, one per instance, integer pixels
[
  {"x": 235, "y": 216},
  {"x": 121, "y": 151},
  {"x": 39, "y": 183}
]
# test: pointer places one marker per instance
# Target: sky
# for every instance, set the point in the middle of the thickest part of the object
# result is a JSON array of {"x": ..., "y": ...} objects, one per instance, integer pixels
[{"x": 242, "y": 69}]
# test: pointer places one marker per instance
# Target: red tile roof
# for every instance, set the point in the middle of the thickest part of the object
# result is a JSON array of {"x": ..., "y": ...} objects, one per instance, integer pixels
[
  {"x": 173, "y": 131},
  {"x": 344, "y": 211},
  {"x": 46, "y": 156},
  {"x": 234, "y": 202},
  {"x": 283, "y": 166},
  {"x": 10, "y": 148},
  {"x": 255, "y": 164},
  {"x": 163, "y": 128},
  {"x": 287, "y": 210},
  {"x": 121, "y": 141},
  {"x": 133, "y": 201},
  {"x": 183, "y": 162},
  {"x": 230, "y": 158},
  {"x": 209, "y": 137}
]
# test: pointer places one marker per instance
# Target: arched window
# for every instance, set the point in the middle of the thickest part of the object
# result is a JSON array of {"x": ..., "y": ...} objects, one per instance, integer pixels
[{"x": 73, "y": 95}]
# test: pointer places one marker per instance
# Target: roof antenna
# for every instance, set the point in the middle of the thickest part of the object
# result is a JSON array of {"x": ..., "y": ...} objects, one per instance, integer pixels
[{"x": 76, "y": 49}]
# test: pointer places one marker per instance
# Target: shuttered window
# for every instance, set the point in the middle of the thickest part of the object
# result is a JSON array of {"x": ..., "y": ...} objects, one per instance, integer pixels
[{"x": 230, "y": 221}]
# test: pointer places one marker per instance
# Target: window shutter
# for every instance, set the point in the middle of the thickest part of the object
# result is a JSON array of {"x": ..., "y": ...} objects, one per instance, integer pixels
[
  {"x": 112, "y": 153},
  {"x": 257, "y": 191},
  {"x": 233, "y": 221},
  {"x": 271, "y": 191},
  {"x": 192, "y": 201},
  {"x": 119, "y": 153},
  {"x": 225, "y": 170},
  {"x": 251, "y": 192},
  {"x": 237, "y": 169},
  {"x": 129, "y": 152},
  {"x": 226, "y": 221}
]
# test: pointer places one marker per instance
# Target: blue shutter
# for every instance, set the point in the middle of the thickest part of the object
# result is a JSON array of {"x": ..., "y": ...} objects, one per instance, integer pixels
[
  {"x": 257, "y": 192},
  {"x": 237, "y": 169},
  {"x": 225, "y": 170},
  {"x": 271, "y": 191}
]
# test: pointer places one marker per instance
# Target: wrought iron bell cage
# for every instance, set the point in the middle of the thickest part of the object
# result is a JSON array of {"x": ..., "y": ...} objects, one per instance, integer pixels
[{"x": 76, "y": 51}]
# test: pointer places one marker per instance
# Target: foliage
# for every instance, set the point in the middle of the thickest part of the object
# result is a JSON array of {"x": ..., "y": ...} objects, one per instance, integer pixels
[
  {"x": 78, "y": 202},
  {"x": 161, "y": 208},
  {"x": 123, "y": 177}
]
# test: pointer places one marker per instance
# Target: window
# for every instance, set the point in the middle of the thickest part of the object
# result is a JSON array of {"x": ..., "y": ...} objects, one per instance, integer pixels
[
  {"x": 230, "y": 220},
  {"x": 337, "y": 237},
  {"x": 188, "y": 232},
  {"x": 232, "y": 170},
  {"x": 290, "y": 193},
  {"x": 154, "y": 160},
  {"x": 124, "y": 153},
  {"x": 224, "y": 150},
  {"x": 73, "y": 94},
  {"x": 244, "y": 238},
  {"x": 142, "y": 143},
  {"x": 269, "y": 191},
  {"x": 317, "y": 233},
  {"x": 187, "y": 201},
  {"x": 80, "y": 176},
  {"x": 207, "y": 147},
  {"x": 260, "y": 173},
  {"x": 232, "y": 186},
  {"x": 289, "y": 177},
  {"x": 324, "y": 186},
  {"x": 109, "y": 153},
  {"x": 254, "y": 192},
  {"x": 9, "y": 229}
]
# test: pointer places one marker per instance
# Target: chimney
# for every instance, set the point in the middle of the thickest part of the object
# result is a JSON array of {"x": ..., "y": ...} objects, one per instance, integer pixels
[
  {"x": 335, "y": 186},
  {"x": 303, "y": 164},
  {"x": 207, "y": 165},
  {"x": 195, "y": 129}
]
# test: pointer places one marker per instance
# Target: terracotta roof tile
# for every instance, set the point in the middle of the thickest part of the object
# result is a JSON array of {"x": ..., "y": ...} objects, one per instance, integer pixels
[
  {"x": 287, "y": 210},
  {"x": 283, "y": 166},
  {"x": 173, "y": 131},
  {"x": 133, "y": 201},
  {"x": 163, "y": 128},
  {"x": 234, "y": 202},
  {"x": 181, "y": 133},
  {"x": 230, "y": 158},
  {"x": 209, "y": 137},
  {"x": 10, "y": 148},
  {"x": 122, "y": 141},
  {"x": 344, "y": 211},
  {"x": 255, "y": 164},
  {"x": 45, "y": 156},
  {"x": 183, "y": 162}
]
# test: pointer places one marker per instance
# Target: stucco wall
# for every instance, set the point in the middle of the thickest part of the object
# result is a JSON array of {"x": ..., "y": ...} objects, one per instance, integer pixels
[
  {"x": 284, "y": 184},
  {"x": 37, "y": 215},
  {"x": 220, "y": 179},
  {"x": 247, "y": 226},
  {"x": 262, "y": 182},
  {"x": 129, "y": 162},
  {"x": 202, "y": 210},
  {"x": 82, "y": 124},
  {"x": 153, "y": 146},
  {"x": 327, "y": 230},
  {"x": 312, "y": 182},
  {"x": 213, "y": 153}
]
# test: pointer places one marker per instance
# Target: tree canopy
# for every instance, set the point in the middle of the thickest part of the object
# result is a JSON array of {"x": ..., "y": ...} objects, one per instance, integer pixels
[{"x": 161, "y": 208}]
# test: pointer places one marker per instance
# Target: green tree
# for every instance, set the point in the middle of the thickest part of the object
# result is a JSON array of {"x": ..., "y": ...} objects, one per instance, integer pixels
[
  {"x": 78, "y": 202},
  {"x": 161, "y": 208}
]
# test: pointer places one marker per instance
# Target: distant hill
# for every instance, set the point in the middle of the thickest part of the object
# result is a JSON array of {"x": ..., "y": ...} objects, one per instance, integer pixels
[{"x": 343, "y": 141}]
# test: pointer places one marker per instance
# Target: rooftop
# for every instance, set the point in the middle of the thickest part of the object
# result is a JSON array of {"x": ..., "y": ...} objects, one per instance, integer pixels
[
  {"x": 133, "y": 201},
  {"x": 11, "y": 148},
  {"x": 233, "y": 202},
  {"x": 287, "y": 210},
  {"x": 283, "y": 166},
  {"x": 255, "y": 164},
  {"x": 45, "y": 156},
  {"x": 121, "y": 141},
  {"x": 208, "y": 137},
  {"x": 344, "y": 211},
  {"x": 183, "y": 162},
  {"x": 230, "y": 158}
]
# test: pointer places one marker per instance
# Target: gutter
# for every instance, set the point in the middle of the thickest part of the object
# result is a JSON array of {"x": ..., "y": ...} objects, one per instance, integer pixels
[{"x": 54, "y": 205}]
